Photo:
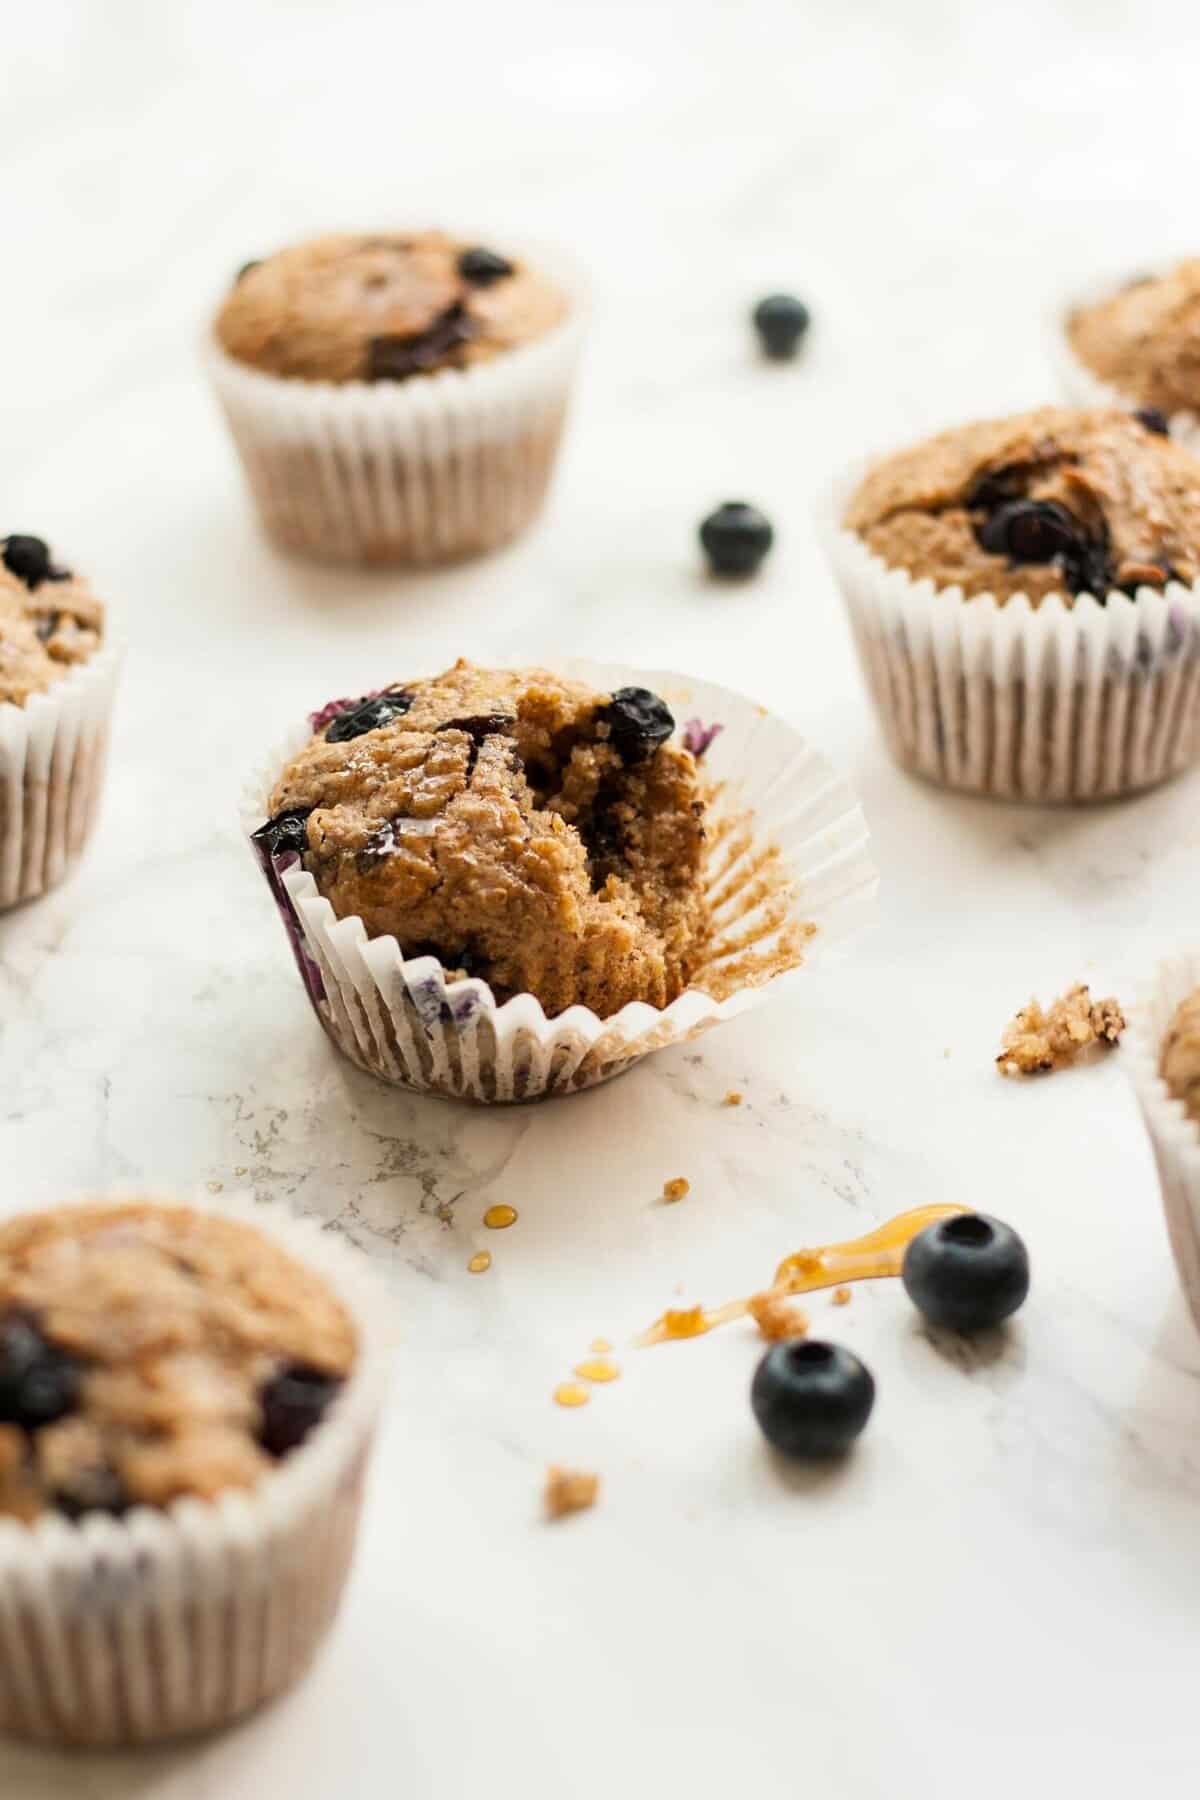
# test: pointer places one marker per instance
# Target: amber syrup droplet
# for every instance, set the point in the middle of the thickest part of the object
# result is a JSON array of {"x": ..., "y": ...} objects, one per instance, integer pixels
[
  {"x": 597, "y": 1368},
  {"x": 480, "y": 1261},
  {"x": 570, "y": 1393},
  {"x": 499, "y": 1218},
  {"x": 600, "y": 1346}
]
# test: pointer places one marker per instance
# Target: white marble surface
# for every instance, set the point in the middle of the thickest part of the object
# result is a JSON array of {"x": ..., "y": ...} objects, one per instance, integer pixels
[{"x": 999, "y": 1592}]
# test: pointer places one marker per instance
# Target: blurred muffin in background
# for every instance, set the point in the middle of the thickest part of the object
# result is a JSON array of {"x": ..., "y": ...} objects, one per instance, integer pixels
[{"x": 1138, "y": 346}]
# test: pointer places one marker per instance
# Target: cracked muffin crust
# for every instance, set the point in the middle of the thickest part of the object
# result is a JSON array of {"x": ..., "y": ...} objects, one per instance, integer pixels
[
  {"x": 149, "y": 1352},
  {"x": 1180, "y": 1061},
  {"x": 1145, "y": 340},
  {"x": 383, "y": 307},
  {"x": 519, "y": 827},
  {"x": 1054, "y": 501},
  {"x": 49, "y": 619}
]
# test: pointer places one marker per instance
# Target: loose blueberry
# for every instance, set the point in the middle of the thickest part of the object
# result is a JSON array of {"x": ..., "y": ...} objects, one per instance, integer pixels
[
  {"x": 967, "y": 1272},
  {"x": 781, "y": 321},
  {"x": 28, "y": 558},
  {"x": 286, "y": 834},
  {"x": 638, "y": 722},
  {"x": 1153, "y": 420},
  {"x": 369, "y": 714},
  {"x": 736, "y": 537},
  {"x": 38, "y": 1382},
  {"x": 810, "y": 1398},
  {"x": 292, "y": 1402},
  {"x": 481, "y": 267}
]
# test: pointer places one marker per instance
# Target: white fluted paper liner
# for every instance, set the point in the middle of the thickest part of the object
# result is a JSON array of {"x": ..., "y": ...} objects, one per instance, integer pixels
[
  {"x": 1081, "y": 386},
  {"x": 1065, "y": 701},
  {"x": 422, "y": 471},
  {"x": 777, "y": 798},
  {"x": 52, "y": 756},
  {"x": 124, "y": 1631},
  {"x": 1174, "y": 1137}
]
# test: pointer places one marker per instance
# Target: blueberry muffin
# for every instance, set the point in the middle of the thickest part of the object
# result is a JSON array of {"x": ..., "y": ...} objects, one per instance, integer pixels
[
  {"x": 150, "y": 1352},
  {"x": 518, "y": 827},
  {"x": 396, "y": 398},
  {"x": 1180, "y": 1060},
  {"x": 50, "y": 621},
  {"x": 384, "y": 307},
  {"x": 1058, "y": 501},
  {"x": 1144, "y": 340}
]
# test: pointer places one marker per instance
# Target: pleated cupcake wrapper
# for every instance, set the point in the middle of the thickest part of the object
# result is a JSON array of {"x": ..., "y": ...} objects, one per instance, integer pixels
[
  {"x": 124, "y": 1631},
  {"x": 1064, "y": 701},
  {"x": 413, "y": 472},
  {"x": 1081, "y": 386},
  {"x": 793, "y": 866},
  {"x": 1175, "y": 1137},
  {"x": 52, "y": 756}
]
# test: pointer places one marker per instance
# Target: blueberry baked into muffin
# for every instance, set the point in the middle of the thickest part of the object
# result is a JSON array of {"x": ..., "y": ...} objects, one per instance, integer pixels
[
  {"x": 383, "y": 307},
  {"x": 151, "y": 1352},
  {"x": 396, "y": 398},
  {"x": 1057, "y": 501},
  {"x": 518, "y": 827},
  {"x": 1144, "y": 340}
]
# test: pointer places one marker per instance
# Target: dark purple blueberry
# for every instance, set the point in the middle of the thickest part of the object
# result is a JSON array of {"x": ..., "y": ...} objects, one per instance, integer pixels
[
  {"x": 735, "y": 538},
  {"x": 781, "y": 321},
  {"x": 38, "y": 1381},
  {"x": 286, "y": 834},
  {"x": 369, "y": 714},
  {"x": 967, "y": 1272},
  {"x": 481, "y": 267},
  {"x": 996, "y": 486},
  {"x": 394, "y": 357},
  {"x": 810, "y": 1398},
  {"x": 1089, "y": 571},
  {"x": 292, "y": 1402},
  {"x": 254, "y": 263},
  {"x": 1153, "y": 420},
  {"x": 1031, "y": 531},
  {"x": 28, "y": 558},
  {"x": 92, "y": 1490},
  {"x": 638, "y": 722}
]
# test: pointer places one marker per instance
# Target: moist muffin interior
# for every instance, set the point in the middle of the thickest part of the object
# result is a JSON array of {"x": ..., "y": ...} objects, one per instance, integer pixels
[
  {"x": 518, "y": 827},
  {"x": 49, "y": 619},
  {"x": 149, "y": 1352},
  {"x": 383, "y": 307},
  {"x": 1145, "y": 340},
  {"x": 1053, "y": 501},
  {"x": 1179, "y": 1064}
]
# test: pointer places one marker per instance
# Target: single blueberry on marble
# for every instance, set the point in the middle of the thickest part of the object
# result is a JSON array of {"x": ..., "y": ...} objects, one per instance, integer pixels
[
  {"x": 735, "y": 538},
  {"x": 781, "y": 321},
  {"x": 811, "y": 1399},
  {"x": 967, "y": 1272}
]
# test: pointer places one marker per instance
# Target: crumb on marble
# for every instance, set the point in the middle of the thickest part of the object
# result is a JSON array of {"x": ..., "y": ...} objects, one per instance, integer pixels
[
  {"x": 214, "y": 1187},
  {"x": 777, "y": 1317},
  {"x": 842, "y": 1296},
  {"x": 1038, "y": 1040},
  {"x": 569, "y": 1491},
  {"x": 675, "y": 1190},
  {"x": 732, "y": 1098}
]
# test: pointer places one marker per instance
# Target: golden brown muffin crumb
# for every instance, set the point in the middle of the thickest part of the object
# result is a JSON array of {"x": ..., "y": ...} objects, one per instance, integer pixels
[
  {"x": 45, "y": 630},
  {"x": 677, "y": 1189},
  {"x": 1145, "y": 340},
  {"x": 153, "y": 1351},
  {"x": 777, "y": 1317},
  {"x": 516, "y": 827},
  {"x": 1179, "y": 1064},
  {"x": 569, "y": 1491},
  {"x": 842, "y": 1296},
  {"x": 732, "y": 1098},
  {"x": 1037, "y": 1041},
  {"x": 1060, "y": 500},
  {"x": 382, "y": 307}
]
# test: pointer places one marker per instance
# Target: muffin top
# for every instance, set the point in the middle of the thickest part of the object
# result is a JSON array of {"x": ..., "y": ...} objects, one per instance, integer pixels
[
  {"x": 518, "y": 827},
  {"x": 1180, "y": 1061},
  {"x": 353, "y": 307},
  {"x": 1054, "y": 501},
  {"x": 149, "y": 1352},
  {"x": 49, "y": 619},
  {"x": 1145, "y": 339}
]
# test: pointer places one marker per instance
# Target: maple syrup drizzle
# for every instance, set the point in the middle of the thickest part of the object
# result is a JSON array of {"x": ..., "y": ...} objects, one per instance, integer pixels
[
  {"x": 500, "y": 1217},
  {"x": 479, "y": 1262},
  {"x": 878, "y": 1254},
  {"x": 570, "y": 1393},
  {"x": 597, "y": 1368}
]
